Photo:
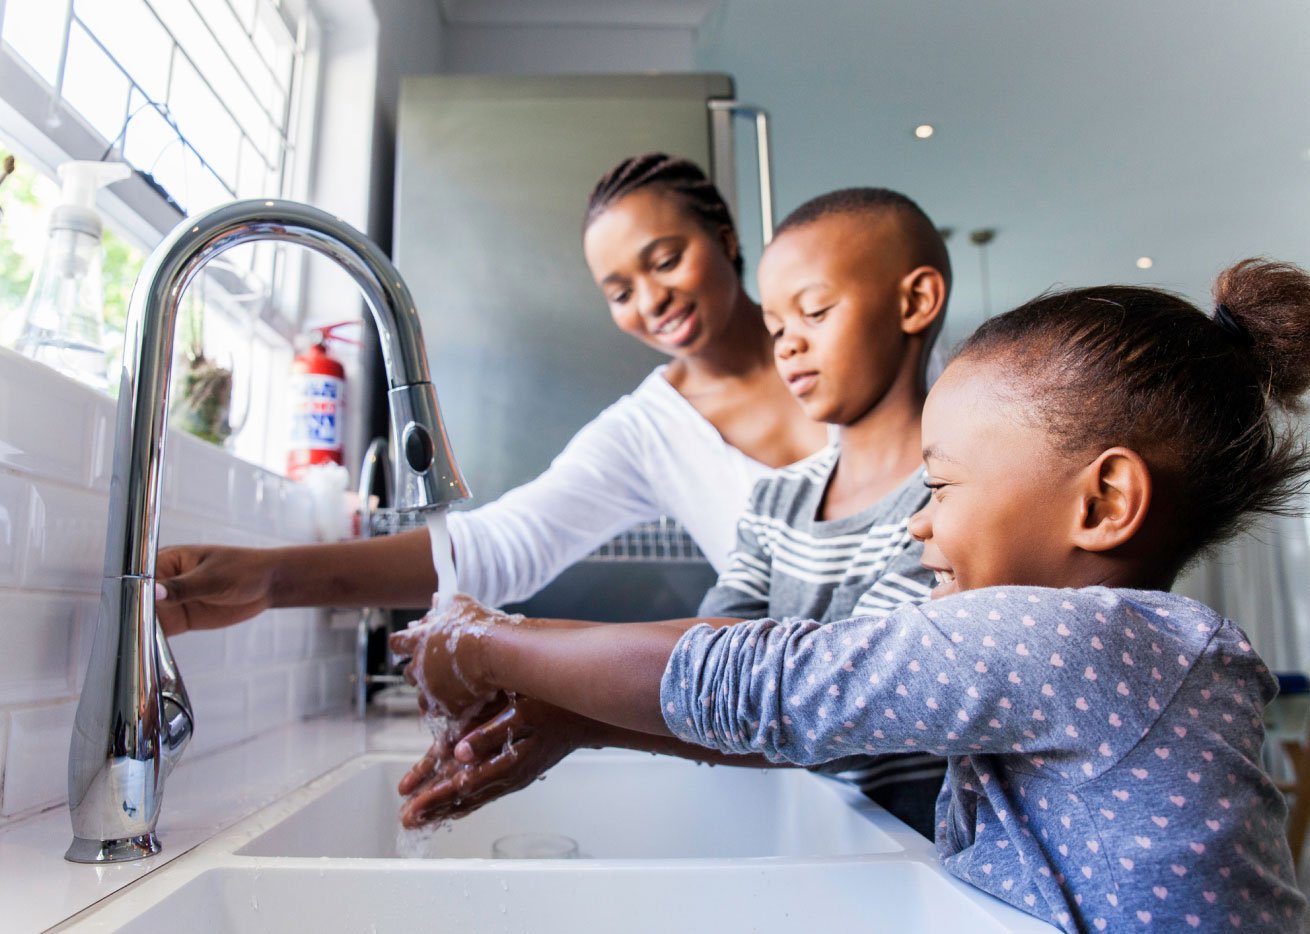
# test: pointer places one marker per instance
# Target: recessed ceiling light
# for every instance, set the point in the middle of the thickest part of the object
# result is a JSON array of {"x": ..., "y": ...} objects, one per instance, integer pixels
[
  {"x": 924, "y": 130},
  {"x": 1145, "y": 262}
]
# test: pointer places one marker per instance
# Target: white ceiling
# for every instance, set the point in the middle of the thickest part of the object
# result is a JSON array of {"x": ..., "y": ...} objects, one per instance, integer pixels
[{"x": 1087, "y": 132}]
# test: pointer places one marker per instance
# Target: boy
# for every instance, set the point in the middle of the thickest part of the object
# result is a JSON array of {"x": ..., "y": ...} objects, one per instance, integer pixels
[{"x": 853, "y": 286}]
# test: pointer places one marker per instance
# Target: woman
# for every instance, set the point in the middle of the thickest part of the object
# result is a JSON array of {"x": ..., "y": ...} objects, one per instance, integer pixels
[{"x": 688, "y": 443}]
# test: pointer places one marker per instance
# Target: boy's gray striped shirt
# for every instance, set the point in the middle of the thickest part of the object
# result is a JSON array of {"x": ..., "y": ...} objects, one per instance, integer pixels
[{"x": 789, "y": 563}]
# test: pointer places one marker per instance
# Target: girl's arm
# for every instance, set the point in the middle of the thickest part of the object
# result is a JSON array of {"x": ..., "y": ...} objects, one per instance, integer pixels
[
  {"x": 1052, "y": 675},
  {"x": 1070, "y": 680},
  {"x": 604, "y": 672}
]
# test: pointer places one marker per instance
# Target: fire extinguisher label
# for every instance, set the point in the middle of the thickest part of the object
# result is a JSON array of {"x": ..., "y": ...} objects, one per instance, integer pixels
[{"x": 316, "y": 412}]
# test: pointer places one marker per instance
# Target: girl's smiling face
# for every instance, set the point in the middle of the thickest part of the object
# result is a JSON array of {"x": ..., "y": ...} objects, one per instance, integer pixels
[
  {"x": 1005, "y": 502},
  {"x": 668, "y": 281}
]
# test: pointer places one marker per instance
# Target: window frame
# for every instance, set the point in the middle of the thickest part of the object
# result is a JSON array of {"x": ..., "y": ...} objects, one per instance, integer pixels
[{"x": 143, "y": 216}]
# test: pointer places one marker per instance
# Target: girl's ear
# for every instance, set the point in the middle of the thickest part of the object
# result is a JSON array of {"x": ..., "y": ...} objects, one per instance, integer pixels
[
  {"x": 924, "y": 293},
  {"x": 1115, "y": 495}
]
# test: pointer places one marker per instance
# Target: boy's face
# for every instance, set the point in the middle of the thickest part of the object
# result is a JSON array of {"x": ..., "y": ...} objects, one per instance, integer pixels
[
  {"x": 832, "y": 292},
  {"x": 1003, "y": 499}
]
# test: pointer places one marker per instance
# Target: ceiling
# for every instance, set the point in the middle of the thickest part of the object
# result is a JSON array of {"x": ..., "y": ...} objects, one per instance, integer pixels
[{"x": 1088, "y": 134}]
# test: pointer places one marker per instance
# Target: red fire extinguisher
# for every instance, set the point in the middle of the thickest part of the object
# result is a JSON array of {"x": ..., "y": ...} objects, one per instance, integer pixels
[{"x": 318, "y": 395}]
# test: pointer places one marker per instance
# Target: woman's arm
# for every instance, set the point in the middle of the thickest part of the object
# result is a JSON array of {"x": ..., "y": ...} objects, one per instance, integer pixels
[
  {"x": 503, "y": 551},
  {"x": 208, "y": 586}
]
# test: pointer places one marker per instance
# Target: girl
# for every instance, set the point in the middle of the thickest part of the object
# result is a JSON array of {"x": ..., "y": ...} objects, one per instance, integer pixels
[
  {"x": 1103, "y": 735},
  {"x": 689, "y": 442}
]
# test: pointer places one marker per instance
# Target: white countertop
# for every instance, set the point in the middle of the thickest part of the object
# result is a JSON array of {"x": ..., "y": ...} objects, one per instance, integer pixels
[{"x": 39, "y": 888}]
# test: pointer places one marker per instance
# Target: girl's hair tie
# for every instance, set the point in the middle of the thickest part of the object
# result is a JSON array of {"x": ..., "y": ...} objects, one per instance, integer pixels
[{"x": 1234, "y": 329}]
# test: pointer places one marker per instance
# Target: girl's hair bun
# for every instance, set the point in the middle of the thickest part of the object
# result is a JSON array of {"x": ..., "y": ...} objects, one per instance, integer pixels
[{"x": 1270, "y": 301}]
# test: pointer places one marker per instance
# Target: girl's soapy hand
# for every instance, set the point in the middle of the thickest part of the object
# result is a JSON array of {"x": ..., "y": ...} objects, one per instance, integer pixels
[
  {"x": 502, "y": 755},
  {"x": 445, "y": 652},
  {"x": 439, "y": 754},
  {"x": 207, "y": 587}
]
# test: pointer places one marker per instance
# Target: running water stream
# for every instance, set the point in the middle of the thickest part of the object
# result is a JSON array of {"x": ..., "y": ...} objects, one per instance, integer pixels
[
  {"x": 442, "y": 559},
  {"x": 445, "y": 733}
]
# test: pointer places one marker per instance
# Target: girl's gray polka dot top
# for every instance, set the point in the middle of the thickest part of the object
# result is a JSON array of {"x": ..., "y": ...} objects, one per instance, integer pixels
[{"x": 1103, "y": 744}]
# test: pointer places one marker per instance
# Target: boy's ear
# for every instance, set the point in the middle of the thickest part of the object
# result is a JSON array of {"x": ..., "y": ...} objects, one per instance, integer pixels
[
  {"x": 1114, "y": 496},
  {"x": 924, "y": 295}
]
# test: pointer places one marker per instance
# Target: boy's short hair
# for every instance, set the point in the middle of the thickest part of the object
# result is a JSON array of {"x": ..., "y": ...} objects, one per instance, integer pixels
[
  {"x": 929, "y": 249},
  {"x": 927, "y": 246}
]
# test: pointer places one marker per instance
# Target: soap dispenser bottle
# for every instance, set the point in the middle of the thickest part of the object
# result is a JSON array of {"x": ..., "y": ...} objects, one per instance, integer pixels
[{"x": 61, "y": 319}]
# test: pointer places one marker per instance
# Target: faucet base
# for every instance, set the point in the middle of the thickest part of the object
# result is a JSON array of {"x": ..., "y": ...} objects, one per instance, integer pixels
[{"x": 112, "y": 851}]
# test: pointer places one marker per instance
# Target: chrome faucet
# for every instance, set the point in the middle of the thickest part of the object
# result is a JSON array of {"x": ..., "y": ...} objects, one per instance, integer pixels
[{"x": 134, "y": 717}]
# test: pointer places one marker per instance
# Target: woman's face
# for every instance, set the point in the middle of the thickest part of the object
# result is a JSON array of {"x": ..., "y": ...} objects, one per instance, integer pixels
[{"x": 668, "y": 282}]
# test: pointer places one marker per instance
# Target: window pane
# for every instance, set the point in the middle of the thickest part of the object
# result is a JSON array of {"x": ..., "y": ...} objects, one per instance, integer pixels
[
  {"x": 207, "y": 58},
  {"x": 148, "y": 136},
  {"x": 203, "y": 121},
  {"x": 35, "y": 30},
  {"x": 236, "y": 43},
  {"x": 134, "y": 37},
  {"x": 245, "y": 10},
  {"x": 94, "y": 86}
]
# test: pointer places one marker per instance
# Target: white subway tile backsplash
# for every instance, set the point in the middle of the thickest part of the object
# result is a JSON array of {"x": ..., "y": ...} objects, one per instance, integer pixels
[
  {"x": 336, "y": 681},
  {"x": 46, "y": 421},
  {"x": 270, "y": 696},
  {"x": 291, "y": 634},
  {"x": 248, "y": 491},
  {"x": 221, "y": 705},
  {"x": 66, "y": 539},
  {"x": 180, "y": 529},
  {"x": 102, "y": 443},
  {"x": 40, "y": 634},
  {"x": 15, "y": 501},
  {"x": 252, "y": 641},
  {"x": 36, "y": 760},
  {"x": 56, "y": 440},
  {"x": 203, "y": 483},
  {"x": 201, "y": 650}
]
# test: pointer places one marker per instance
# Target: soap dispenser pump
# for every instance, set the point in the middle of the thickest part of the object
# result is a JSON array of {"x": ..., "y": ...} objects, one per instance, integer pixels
[{"x": 61, "y": 319}]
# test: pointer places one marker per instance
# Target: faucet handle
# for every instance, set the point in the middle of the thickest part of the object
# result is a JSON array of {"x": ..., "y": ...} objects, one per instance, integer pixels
[
  {"x": 423, "y": 465},
  {"x": 178, "y": 722}
]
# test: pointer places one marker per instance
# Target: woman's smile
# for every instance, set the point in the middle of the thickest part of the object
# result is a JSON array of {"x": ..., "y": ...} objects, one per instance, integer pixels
[{"x": 678, "y": 329}]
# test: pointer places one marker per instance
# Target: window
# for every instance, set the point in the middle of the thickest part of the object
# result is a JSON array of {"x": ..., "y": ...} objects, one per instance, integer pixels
[
  {"x": 197, "y": 95},
  {"x": 204, "y": 100}
]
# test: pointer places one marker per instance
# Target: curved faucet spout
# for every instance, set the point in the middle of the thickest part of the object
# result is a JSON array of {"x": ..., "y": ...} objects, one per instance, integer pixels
[{"x": 134, "y": 717}]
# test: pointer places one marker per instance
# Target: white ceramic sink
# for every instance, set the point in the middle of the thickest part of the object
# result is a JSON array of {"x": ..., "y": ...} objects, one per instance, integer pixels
[
  {"x": 666, "y": 846},
  {"x": 614, "y": 805}
]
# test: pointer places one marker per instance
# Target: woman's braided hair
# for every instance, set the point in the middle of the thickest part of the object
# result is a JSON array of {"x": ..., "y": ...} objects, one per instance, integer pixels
[{"x": 681, "y": 178}]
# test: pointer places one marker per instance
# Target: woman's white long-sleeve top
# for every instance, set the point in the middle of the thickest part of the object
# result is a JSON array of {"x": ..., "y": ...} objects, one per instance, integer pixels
[{"x": 650, "y": 454}]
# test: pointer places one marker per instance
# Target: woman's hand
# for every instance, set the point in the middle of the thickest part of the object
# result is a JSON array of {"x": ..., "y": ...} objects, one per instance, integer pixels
[
  {"x": 446, "y": 658},
  {"x": 502, "y": 755},
  {"x": 210, "y": 586}
]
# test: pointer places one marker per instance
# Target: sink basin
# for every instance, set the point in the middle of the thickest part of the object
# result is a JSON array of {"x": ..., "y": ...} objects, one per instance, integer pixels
[
  {"x": 543, "y": 899},
  {"x": 614, "y": 805},
  {"x": 667, "y": 846}
]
